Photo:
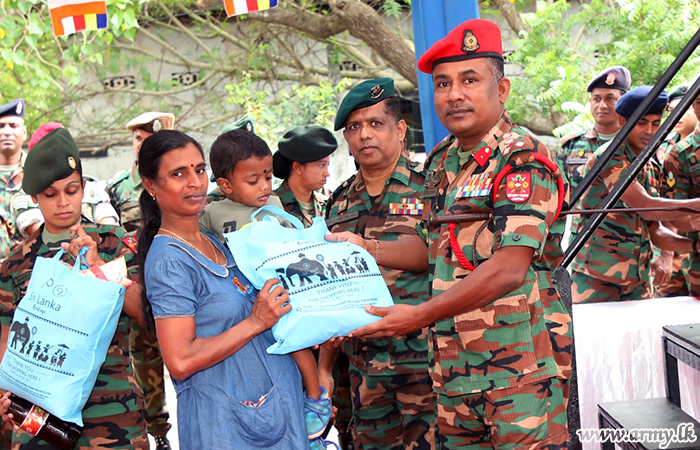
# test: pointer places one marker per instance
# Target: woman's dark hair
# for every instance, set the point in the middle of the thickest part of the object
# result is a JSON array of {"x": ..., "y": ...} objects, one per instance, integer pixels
[
  {"x": 232, "y": 147},
  {"x": 150, "y": 155}
]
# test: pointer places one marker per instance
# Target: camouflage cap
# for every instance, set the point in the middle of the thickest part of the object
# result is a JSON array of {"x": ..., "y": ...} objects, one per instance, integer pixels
[
  {"x": 54, "y": 157},
  {"x": 14, "y": 109},
  {"x": 626, "y": 105},
  {"x": 152, "y": 122},
  {"x": 365, "y": 94},
  {"x": 614, "y": 77},
  {"x": 244, "y": 123},
  {"x": 303, "y": 144}
]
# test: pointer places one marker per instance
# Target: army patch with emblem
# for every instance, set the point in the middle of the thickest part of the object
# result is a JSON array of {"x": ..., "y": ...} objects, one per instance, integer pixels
[
  {"x": 479, "y": 185},
  {"x": 581, "y": 152},
  {"x": 409, "y": 206},
  {"x": 470, "y": 43},
  {"x": 131, "y": 242},
  {"x": 670, "y": 179},
  {"x": 518, "y": 187}
]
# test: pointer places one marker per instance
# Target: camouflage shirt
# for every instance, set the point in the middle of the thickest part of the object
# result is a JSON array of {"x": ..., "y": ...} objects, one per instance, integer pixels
[
  {"x": 681, "y": 173},
  {"x": 10, "y": 188},
  {"x": 293, "y": 207},
  {"x": 574, "y": 153},
  {"x": 115, "y": 391},
  {"x": 505, "y": 341},
  {"x": 393, "y": 215},
  {"x": 124, "y": 189},
  {"x": 620, "y": 251}
]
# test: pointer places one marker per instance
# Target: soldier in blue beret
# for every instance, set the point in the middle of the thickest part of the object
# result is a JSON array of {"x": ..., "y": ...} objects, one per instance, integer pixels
[
  {"x": 13, "y": 133},
  {"x": 615, "y": 264}
]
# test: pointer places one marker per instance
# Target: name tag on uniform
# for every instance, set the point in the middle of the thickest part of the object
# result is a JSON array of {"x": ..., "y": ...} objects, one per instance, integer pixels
[
  {"x": 479, "y": 185},
  {"x": 429, "y": 193},
  {"x": 342, "y": 218},
  {"x": 576, "y": 161},
  {"x": 409, "y": 206},
  {"x": 695, "y": 167}
]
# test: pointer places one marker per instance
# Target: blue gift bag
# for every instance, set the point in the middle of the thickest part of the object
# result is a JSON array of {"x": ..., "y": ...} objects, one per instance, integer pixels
[
  {"x": 59, "y": 337},
  {"x": 329, "y": 283}
]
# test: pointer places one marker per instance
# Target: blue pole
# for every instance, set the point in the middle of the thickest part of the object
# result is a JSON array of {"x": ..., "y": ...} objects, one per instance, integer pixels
[{"x": 432, "y": 20}]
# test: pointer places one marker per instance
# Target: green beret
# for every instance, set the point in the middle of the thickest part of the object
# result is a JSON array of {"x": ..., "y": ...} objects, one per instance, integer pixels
[
  {"x": 303, "y": 144},
  {"x": 365, "y": 94},
  {"x": 53, "y": 158},
  {"x": 678, "y": 92},
  {"x": 244, "y": 123}
]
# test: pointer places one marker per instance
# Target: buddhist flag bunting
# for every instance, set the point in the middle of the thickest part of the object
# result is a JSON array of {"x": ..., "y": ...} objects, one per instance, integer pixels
[
  {"x": 70, "y": 16},
  {"x": 236, "y": 7}
]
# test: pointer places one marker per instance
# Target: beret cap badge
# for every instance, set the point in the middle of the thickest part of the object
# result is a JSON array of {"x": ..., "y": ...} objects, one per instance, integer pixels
[
  {"x": 157, "y": 125},
  {"x": 71, "y": 162},
  {"x": 469, "y": 43},
  {"x": 610, "y": 79},
  {"x": 376, "y": 92},
  {"x": 19, "y": 108}
]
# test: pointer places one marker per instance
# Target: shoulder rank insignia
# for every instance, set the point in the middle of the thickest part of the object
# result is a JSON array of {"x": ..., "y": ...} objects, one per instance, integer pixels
[
  {"x": 245, "y": 290},
  {"x": 483, "y": 155},
  {"x": 479, "y": 185},
  {"x": 693, "y": 159},
  {"x": 131, "y": 242},
  {"x": 518, "y": 187},
  {"x": 410, "y": 206}
]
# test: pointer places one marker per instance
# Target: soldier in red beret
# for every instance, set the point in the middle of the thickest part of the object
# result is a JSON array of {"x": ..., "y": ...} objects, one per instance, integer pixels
[{"x": 494, "y": 316}]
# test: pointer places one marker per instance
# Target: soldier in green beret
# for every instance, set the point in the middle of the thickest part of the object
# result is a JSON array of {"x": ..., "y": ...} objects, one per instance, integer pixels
[
  {"x": 302, "y": 161},
  {"x": 391, "y": 389},
  {"x": 124, "y": 190},
  {"x": 13, "y": 133},
  {"x": 53, "y": 178}
]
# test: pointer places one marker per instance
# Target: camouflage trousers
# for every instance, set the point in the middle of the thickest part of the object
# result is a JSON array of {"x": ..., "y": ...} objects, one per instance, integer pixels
[
  {"x": 122, "y": 431},
  {"x": 393, "y": 412},
  {"x": 148, "y": 370},
  {"x": 676, "y": 286},
  {"x": 586, "y": 289},
  {"x": 691, "y": 270},
  {"x": 531, "y": 416}
]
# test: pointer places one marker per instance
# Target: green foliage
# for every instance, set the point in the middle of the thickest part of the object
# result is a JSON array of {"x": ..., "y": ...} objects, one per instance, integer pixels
[
  {"x": 286, "y": 109},
  {"x": 564, "y": 49}
]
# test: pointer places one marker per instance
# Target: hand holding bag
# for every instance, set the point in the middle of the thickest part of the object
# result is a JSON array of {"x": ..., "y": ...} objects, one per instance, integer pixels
[
  {"x": 329, "y": 283},
  {"x": 59, "y": 337}
]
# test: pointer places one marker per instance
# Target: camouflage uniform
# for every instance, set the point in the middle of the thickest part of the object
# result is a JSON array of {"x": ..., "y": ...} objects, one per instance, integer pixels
[
  {"x": 112, "y": 415},
  {"x": 574, "y": 153},
  {"x": 10, "y": 188},
  {"x": 292, "y": 206},
  {"x": 393, "y": 400},
  {"x": 681, "y": 176},
  {"x": 676, "y": 286},
  {"x": 615, "y": 263},
  {"x": 494, "y": 368},
  {"x": 124, "y": 190}
]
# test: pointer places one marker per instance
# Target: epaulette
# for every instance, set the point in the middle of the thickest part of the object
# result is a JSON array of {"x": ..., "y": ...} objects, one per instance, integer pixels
[
  {"x": 338, "y": 192},
  {"x": 572, "y": 135},
  {"x": 117, "y": 178},
  {"x": 444, "y": 144}
]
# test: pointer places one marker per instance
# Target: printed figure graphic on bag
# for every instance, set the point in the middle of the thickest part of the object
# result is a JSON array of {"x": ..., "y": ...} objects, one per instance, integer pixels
[
  {"x": 304, "y": 269},
  {"x": 22, "y": 333}
]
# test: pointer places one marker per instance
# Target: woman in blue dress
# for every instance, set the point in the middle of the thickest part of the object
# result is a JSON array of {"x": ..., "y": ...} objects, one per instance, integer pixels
[{"x": 213, "y": 326}]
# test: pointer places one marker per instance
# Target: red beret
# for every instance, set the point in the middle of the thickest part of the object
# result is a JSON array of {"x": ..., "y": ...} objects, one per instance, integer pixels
[
  {"x": 41, "y": 132},
  {"x": 476, "y": 38}
]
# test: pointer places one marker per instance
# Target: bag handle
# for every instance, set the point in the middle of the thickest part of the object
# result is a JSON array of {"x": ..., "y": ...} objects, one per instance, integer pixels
[
  {"x": 80, "y": 260},
  {"x": 276, "y": 210}
]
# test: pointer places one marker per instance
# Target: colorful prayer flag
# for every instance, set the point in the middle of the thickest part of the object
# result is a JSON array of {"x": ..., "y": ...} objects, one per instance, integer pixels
[
  {"x": 70, "y": 16},
  {"x": 236, "y": 7}
]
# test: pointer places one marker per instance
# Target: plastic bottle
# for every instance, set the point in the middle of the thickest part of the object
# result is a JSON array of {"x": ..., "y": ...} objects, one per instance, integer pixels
[{"x": 40, "y": 423}]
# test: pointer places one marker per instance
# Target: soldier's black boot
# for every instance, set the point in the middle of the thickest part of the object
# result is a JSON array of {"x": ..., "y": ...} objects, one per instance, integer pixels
[{"x": 162, "y": 443}]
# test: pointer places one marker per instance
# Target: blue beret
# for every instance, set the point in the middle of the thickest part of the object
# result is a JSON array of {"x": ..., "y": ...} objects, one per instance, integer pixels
[
  {"x": 15, "y": 108},
  {"x": 614, "y": 77},
  {"x": 626, "y": 105}
]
